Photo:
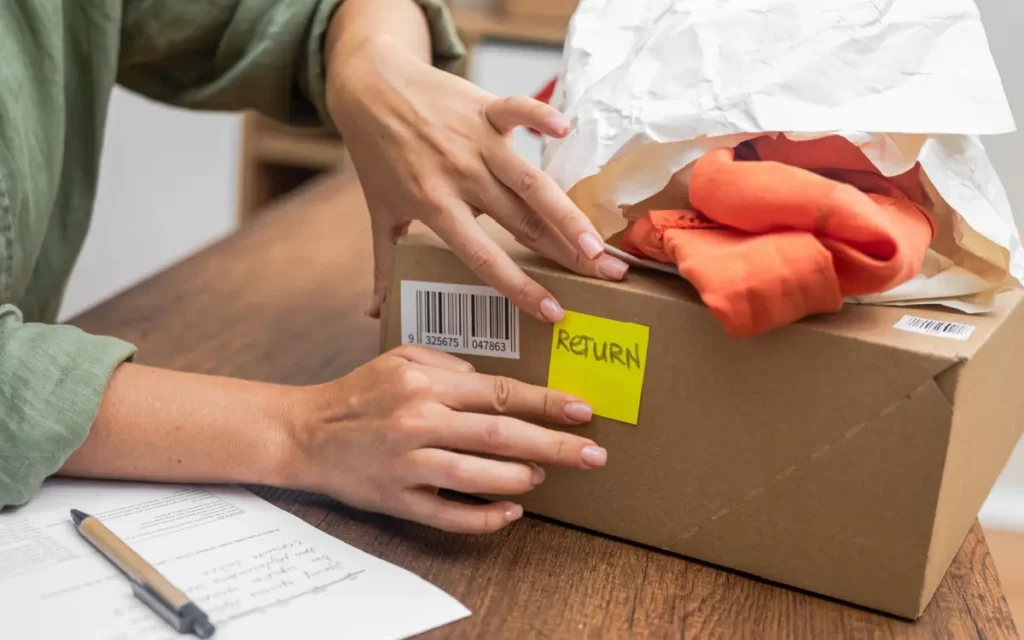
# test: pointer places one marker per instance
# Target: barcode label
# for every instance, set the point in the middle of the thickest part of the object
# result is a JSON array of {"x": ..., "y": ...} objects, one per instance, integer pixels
[
  {"x": 466, "y": 319},
  {"x": 937, "y": 328}
]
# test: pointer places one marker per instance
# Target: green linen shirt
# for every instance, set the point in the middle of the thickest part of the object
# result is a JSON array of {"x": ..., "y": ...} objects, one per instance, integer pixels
[{"x": 59, "y": 61}]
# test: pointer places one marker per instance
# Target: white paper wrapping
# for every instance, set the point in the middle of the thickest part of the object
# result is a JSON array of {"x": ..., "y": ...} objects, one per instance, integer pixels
[{"x": 652, "y": 85}]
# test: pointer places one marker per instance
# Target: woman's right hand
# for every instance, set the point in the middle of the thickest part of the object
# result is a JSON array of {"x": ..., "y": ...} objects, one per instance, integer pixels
[{"x": 387, "y": 436}]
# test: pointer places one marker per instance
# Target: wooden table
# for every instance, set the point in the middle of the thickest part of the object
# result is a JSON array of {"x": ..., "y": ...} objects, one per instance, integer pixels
[{"x": 283, "y": 301}]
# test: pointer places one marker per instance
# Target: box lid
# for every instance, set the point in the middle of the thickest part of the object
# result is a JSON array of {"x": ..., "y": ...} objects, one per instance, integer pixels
[{"x": 875, "y": 324}]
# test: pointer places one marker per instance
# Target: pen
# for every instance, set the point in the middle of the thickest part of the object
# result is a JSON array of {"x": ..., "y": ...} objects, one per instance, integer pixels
[{"x": 149, "y": 586}]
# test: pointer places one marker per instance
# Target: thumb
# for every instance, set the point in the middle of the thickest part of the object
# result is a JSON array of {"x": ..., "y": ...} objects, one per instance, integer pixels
[{"x": 385, "y": 234}]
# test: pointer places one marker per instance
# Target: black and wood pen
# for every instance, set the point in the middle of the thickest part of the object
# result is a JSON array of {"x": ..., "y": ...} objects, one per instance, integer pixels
[{"x": 149, "y": 586}]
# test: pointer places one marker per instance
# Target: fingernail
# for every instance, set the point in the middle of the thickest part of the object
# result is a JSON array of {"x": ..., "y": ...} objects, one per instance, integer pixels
[
  {"x": 538, "y": 475},
  {"x": 578, "y": 412},
  {"x": 513, "y": 512},
  {"x": 612, "y": 268},
  {"x": 594, "y": 456},
  {"x": 590, "y": 245},
  {"x": 559, "y": 124},
  {"x": 551, "y": 311}
]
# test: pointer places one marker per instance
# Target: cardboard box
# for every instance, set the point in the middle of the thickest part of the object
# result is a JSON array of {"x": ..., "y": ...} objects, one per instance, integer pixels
[
  {"x": 543, "y": 9},
  {"x": 842, "y": 455}
]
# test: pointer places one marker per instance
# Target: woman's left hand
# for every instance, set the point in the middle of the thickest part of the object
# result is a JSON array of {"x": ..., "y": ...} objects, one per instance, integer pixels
[{"x": 430, "y": 146}]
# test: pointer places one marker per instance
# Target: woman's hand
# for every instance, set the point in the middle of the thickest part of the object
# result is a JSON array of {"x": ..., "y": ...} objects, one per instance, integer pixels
[
  {"x": 433, "y": 147},
  {"x": 386, "y": 437}
]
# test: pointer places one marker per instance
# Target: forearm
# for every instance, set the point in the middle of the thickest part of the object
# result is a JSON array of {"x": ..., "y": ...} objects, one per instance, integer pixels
[
  {"x": 358, "y": 22},
  {"x": 373, "y": 50},
  {"x": 166, "y": 426}
]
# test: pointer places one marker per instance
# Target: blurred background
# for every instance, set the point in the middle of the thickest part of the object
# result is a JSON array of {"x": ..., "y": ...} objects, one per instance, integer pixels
[{"x": 171, "y": 180}]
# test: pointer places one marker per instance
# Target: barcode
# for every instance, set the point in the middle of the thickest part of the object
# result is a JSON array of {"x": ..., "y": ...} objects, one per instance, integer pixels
[
  {"x": 468, "y": 315},
  {"x": 938, "y": 328},
  {"x": 467, "y": 319}
]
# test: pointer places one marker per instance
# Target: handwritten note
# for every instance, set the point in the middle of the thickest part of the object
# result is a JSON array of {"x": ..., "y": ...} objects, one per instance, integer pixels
[
  {"x": 600, "y": 361},
  {"x": 259, "y": 572}
]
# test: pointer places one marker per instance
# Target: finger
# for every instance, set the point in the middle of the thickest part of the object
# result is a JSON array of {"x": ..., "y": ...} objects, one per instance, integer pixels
[
  {"x": 505, "y": 114},
  {"x": 432, "y": 358},
  {"x": 498, "y": 395},
  {"x": 492, "y": 265},
  {"x": 481, "y": 421},
  {"x": 512, "y": 438},
  {"x": 537, "y": 233},
  {"x": 470, "y": 474},
  {"x": 540, "y": 193},
  {"x": 456, "y": 517},
  {"x": 383, "y": 248}
]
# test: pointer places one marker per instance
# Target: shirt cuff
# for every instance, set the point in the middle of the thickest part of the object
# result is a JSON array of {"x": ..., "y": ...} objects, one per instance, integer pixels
[
  {"x": 446, "y": 46},
  {"x": 447, "y": 50},
  {"x": 53, "y": 378}
]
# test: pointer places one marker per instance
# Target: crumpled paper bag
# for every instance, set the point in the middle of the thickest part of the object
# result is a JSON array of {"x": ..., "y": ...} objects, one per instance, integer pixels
[{"x": 652, "y": 85}]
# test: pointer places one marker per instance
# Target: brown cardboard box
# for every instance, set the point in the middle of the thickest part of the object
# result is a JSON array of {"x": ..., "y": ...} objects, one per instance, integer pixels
[{"x": 840, "y": 455}]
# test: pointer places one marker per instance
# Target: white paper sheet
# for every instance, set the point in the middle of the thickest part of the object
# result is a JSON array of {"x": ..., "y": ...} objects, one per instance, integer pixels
[
  {"x": 257, "y": 571},
  {"x": 652, "y": 85}
]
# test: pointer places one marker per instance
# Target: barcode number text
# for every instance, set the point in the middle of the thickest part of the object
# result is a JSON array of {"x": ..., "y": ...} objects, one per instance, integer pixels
[{"x": 460, "y": 319}]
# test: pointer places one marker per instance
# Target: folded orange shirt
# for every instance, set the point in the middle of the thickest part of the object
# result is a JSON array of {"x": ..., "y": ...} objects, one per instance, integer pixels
[{"x": 785, "y": 229}]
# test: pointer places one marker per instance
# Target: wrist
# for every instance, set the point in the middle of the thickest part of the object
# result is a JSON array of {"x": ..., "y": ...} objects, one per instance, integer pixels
[
  {"x": 366, "y": 43},
  {"x": 297, "y": 417},
  {"x": 356, "y": 88},
  {"x": 279, "y": 459},
  {"x": 356, "y": 23}
]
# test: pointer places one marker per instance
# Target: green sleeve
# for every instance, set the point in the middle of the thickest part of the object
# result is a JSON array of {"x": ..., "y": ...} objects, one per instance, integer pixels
[
  {"x": 51, "y": 381},
  {"x": 264, "y": 55}
]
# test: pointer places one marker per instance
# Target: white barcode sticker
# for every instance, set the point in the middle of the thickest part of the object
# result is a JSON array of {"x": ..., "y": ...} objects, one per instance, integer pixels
[
  {"x": 466, "y": 319},
  {"x": 937, "y": 328}
]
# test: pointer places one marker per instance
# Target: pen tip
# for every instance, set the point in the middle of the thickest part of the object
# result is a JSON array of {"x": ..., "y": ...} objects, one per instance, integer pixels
[
  {"x": 77, "y": 516},
  {"x": 202, "y": 628}
]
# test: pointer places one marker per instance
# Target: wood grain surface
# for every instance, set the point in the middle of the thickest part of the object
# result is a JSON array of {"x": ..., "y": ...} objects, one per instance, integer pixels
[{"x": 283, "y": 301}]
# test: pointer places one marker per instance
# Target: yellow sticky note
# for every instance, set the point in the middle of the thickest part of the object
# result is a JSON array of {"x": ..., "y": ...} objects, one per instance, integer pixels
[{"x": 602, "y": 362}]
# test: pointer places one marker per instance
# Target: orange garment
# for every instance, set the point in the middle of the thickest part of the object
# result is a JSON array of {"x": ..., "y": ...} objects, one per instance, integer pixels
[{"x": 784, "y": 229}]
